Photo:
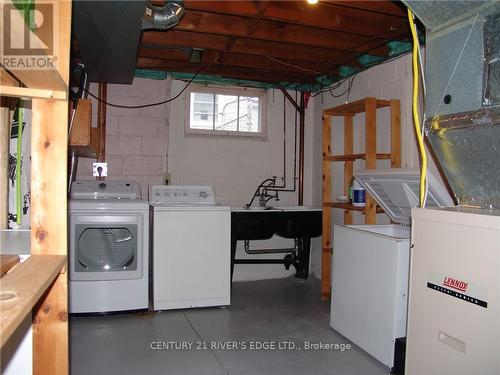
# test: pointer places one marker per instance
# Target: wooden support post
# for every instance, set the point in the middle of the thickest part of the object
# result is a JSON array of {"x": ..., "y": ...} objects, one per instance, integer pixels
[
  {"x": 348, "y": 164},
  {"x": 395, "y": 134},
  {"x": 49, "y": 149},
  {"x": 371, "y": 153},
  {"x": 48, "y": 231},
  {"x": 326, "y": 253}
]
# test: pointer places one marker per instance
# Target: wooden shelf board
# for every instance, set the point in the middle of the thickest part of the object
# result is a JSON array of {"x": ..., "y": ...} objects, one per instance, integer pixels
[
  {"x": 32, "y": 93},
  {"x": 7, "y": 262},
  {"x": 49, "y": 80},
  {"x": 354, "y": 108},
  {"x": 6, "y": 79},
  {"x": 349, "y": 206},
  {"x": 26, "y": 284},
  {"x": 380, "y": 156}
]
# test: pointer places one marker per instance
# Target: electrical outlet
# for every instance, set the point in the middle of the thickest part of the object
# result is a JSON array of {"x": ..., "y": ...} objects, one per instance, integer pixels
[
  {"x": 100, "y": 169},
  {"x": 167, "y": 178}
]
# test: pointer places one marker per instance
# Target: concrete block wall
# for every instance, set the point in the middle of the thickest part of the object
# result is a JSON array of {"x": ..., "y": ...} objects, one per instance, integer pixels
[
  {"x": 136, "y": 139},
  {"x": 391, "y": 80},
  {"x": 235, "y": 165}
]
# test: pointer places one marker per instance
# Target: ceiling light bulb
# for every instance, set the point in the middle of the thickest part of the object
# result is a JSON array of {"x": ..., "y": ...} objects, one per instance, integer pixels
[{"x": 312, "y": 2}]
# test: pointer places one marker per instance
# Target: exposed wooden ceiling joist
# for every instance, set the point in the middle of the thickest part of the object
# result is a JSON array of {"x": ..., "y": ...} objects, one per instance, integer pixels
[
  {"x": 246, "y": 46},
  {"x": 328, "y": 16},
  {"x": 219, "y": 70},
  {"x": 299, "y": 35},
  {"x": 241, "y": 60},
  {"x": 277, "y": 41}
]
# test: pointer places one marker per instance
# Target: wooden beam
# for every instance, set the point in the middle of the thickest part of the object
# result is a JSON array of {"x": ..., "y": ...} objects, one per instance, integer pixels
[
  {"x": 223, "y": 70},
  {"x": 240, "y": 60},
  {"x": 371, "y": 152},
  {"x": 23, "y": 287},
  {"x": 296, "y": 35},
  {"x": 49, "y": 79},
  {"x": 385, "y": 7},
  {"x": 7, "y": 262},
  {"x": 6, "y": 79},
  {"x": 348, "y": 164},
  {"x": 248, "y": 46},
  {"x": 355, "y": 107},
  {"x": 49, "y": 150},
  {"x": 395, "y": 133},
  {"x": 326, "y": 254},
  {"x": 325, "y": 16},
  {"x": 30, "y": 93}
]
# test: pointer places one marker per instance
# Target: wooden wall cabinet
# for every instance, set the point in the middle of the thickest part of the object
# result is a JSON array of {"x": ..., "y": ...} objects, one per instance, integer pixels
[
  {"x": 84, "y": 140},
  {"x": 348, "y": 111}
]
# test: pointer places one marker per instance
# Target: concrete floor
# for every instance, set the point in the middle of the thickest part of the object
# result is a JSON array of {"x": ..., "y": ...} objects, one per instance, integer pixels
[{"x": 272, "y": 311}]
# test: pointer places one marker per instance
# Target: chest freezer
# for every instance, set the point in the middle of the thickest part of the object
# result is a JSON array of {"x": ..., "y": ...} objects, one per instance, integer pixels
[{"x": 371, "y": 264}]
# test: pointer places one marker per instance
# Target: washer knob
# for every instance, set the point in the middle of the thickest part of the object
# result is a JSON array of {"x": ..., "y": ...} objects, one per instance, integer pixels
[{"x": 203, "y": 194}]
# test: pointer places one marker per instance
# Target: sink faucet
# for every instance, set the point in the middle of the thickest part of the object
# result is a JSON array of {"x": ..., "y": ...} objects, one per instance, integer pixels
[{"x": 263, "y": 191}]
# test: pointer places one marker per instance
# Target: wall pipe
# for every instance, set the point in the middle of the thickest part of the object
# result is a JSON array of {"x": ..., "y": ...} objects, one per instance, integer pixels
[
  {"x": 277, "y": 188},
  {"x": 101, "y": 121},
  {"x": 302, "y": 120}
]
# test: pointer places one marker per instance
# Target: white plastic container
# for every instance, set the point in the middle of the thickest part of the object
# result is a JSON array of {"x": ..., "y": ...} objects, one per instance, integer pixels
[{"x": 358, "y": 194}]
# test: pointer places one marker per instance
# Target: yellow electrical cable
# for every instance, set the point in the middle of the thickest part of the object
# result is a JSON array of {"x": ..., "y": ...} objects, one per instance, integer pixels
[{"x": 416, "y": 119}]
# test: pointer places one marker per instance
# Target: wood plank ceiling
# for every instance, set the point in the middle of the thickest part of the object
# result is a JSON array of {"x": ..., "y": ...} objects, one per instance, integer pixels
[{"x": 276, "y": 41}]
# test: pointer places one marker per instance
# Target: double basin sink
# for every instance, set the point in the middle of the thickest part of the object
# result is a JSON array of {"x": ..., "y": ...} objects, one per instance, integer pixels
[{"x": 261, "y": 223}]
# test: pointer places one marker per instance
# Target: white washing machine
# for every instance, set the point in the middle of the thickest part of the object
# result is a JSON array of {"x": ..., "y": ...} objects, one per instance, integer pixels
[
  {"x": 191, "y": 248},
  {"x": 108, "y": 247}
]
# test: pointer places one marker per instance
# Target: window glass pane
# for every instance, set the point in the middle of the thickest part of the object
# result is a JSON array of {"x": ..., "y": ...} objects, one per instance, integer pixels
[
  {"x": 249, "y": 114},
  {"x": 226, "y": 108},
  {"x": 202, "y": 109}
]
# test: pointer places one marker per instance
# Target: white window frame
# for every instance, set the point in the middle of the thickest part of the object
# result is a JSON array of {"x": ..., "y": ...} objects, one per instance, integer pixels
[{"x": 227, "y": 90}]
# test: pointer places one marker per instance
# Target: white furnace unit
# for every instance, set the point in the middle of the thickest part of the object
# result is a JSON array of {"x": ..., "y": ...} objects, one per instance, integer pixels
[
  {"x": 371, "y": 264},
  {"x": 454, "y": 309}
]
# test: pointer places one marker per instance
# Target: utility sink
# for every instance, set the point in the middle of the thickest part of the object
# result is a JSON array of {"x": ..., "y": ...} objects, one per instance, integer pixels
[
  {"x": 254, "y": 223},
  {"x": 300, "y": 221},
  {"x": 260, "y": 223}
]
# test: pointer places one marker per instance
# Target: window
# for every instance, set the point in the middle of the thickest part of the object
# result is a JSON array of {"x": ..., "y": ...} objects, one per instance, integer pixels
[{"x": 226, "y": 111}]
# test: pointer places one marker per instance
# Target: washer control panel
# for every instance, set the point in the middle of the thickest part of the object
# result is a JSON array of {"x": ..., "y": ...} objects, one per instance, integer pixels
[
  {"x": 105, "y": 190},
  {"x": 172, "y": 195}
]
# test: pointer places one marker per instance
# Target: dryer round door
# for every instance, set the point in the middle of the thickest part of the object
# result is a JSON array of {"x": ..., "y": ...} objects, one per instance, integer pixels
[{"x": 105, "y": 250}]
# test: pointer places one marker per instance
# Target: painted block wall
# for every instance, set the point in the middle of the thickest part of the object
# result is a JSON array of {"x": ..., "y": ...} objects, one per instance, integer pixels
[
  {"x": 391, "y": 80},
  {"x": 136, "y": 139},
  {"x": 141, "y": 143},
  {"x": 236, "y": 165}
]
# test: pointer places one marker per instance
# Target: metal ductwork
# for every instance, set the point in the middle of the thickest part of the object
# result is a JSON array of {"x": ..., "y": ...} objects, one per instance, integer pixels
[
  {"x": 463, "y": 95},
  {"x": 162, "y": 18}
]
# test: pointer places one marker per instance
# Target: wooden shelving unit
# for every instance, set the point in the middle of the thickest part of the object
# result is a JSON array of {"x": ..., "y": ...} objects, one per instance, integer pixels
[
  {"x": 348, "y": 111},
  {"x": 42, "y": 280}
]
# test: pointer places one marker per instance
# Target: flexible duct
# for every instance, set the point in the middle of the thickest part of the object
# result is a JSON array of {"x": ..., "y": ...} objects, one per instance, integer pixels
[{"x": 162, "y": 18}]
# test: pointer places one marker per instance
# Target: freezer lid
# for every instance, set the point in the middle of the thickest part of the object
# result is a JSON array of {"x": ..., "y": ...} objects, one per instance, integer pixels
[{"x": 396, "y": 190}]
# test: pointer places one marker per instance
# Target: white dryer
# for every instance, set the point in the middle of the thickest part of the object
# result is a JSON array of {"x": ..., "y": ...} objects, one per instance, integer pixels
[{"x": 108, "y": 247}]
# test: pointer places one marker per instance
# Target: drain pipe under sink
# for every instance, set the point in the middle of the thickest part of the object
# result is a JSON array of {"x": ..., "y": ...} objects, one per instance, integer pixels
[{"x": 269, "y": 251}]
